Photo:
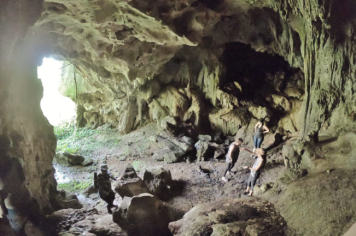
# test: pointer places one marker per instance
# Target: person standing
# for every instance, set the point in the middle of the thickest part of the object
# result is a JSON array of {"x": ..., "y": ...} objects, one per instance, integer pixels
[
  {"x": 232, "y": 156},
  {"x": 260, "y": 130},
  {"x": 102, "y": 182},
  {"x": 255, "y": 169}
]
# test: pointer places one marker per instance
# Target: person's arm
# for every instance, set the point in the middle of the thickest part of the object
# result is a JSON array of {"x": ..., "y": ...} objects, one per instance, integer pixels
[
  {"x": 257, "y": 168},
  {"x": 244, "y": 149},
  {"x": 266, "y": 129},
  {"x": 112, "y": 176},
  {"x": 256, "y": 125}
]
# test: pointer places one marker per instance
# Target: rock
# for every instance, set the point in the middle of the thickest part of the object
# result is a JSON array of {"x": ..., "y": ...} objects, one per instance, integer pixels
[
  {"x": 129, "y": 184},
  {"x": 152, "y": 139},
  {"x": 228, "y": 216},
  {"x": 143, "y": 215},
  {"x": 293, "y": 92},
  {"x": 217, "y": 136},
  {"x": 62, "y": 200},
  {"x": 74, "y": 159},
  {"x": 167, "y": 155},
  {"x": 259, "y": 112},
  {"x": 281, "y": 102},
  {"x": 87, "y": 162},
  {"x": 165, "y": 120},
  {"x": 219, "y": 152},
  {"x": 160, "y": 154},
  {"x": 158, "y": 181},
  {"x": 291, "y": 157},
  {"x": 105, "y": 226},
  {"x": 206, "y": 138},
  {"x": 202, "y": 150},
  {"x": 90, "y": 190},
  {"x": 188, "y": 140}
]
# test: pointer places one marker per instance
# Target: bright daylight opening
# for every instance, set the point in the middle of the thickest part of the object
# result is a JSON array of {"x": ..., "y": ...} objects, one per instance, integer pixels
[{"x": 57, "y": 108}]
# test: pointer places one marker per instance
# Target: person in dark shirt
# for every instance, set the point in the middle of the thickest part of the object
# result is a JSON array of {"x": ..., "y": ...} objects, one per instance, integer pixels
[
  {"x": 232, "y": 156},
  {"x": 102, "y": 182}
]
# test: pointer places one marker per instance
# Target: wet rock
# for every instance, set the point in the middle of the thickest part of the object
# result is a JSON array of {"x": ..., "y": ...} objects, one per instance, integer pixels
[
  {"x": 227, "y": 217},
  {"x": 158, "y": 181},
  {"x": 143, "y": 215},
  {"x": 129, "y": 184}
]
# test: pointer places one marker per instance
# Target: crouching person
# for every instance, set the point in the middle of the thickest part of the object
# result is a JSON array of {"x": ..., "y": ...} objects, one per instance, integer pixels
[{"x": 102, "y": 182}]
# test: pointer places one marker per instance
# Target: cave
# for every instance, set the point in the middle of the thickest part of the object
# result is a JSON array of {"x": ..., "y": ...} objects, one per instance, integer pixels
[{"x": 161, "y": 96}]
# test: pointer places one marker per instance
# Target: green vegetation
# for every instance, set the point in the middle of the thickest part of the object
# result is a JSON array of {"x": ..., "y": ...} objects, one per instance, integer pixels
[
  {"x": 74, "y": 186},
  {"x": 76, "y": 139}
]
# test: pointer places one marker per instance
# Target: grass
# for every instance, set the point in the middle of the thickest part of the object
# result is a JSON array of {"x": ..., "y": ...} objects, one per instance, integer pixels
[
  {"x": 74, "y": 139},
  {"x": 74, "y": 186}
]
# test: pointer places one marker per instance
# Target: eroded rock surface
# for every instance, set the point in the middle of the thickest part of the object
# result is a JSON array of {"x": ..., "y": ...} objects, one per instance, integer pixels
[
  {"x": 129, "y": 184},
  {"x": 231, "y": 217},
  {"x": 143, "y": 215}
]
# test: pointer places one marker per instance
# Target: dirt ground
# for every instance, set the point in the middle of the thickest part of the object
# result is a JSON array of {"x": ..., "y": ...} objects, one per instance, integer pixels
[{"x": 191, "y": 185}]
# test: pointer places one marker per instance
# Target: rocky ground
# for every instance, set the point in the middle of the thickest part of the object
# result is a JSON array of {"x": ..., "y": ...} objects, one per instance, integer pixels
[
  {"x": 301, "y": 196},
  {"x": 194, "y": 182}
]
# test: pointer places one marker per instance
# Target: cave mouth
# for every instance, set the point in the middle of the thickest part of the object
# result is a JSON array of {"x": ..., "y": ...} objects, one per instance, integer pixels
[
  {"x": 255, "y": 72},
  {"x": 57, "y": 108}
]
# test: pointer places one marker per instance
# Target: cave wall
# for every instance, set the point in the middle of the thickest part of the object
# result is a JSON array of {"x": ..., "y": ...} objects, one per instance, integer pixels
[
  {"x": 21, "y": 117},
  {"x": 131, "y": 51}
]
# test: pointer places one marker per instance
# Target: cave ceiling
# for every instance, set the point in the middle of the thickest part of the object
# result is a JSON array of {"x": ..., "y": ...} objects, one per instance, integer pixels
[{"x": 128, "y": 52}]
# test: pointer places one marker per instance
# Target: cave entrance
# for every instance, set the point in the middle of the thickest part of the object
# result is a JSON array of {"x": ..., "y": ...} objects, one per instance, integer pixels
[
  {"x": 258, "y": 73},
  {"x": 57, "y": 108}
]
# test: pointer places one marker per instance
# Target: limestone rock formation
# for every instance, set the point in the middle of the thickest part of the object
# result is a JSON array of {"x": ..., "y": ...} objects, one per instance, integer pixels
[
  {"x": 21, "y": 117},
  {"x": 143, "y": 215},
  {"x": 129, "y": 184},
  {"x": 231, "y": 217},
  {"x": 158, "y": 181}
]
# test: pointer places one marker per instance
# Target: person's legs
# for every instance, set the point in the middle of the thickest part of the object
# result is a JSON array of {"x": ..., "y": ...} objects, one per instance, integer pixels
[
  {"x": 253, "y": 183},
  {"x": 259, "y": 142},
  {"x": 109, "y": 199},
  {"x": 248, "y": 185},
  {"x": 254, "y": 143},
  {"x": 228, "y": 168}
]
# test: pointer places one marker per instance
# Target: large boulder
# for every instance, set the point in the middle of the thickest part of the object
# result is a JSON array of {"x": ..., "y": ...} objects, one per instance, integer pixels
[
  {"x": 202, "y": 150},
  {"x": 291, "y": 157},
  {"x": 74, "y": 159},
  {"x": 158, "y": 181},
  {"x": 143, "y": 215},
  {"x": 129, "y": 184},
  {"x": 228, "y": 217}
]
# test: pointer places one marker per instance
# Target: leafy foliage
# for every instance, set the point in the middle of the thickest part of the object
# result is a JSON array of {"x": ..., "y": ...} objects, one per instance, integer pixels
[{"x": 74, "y": 185}]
